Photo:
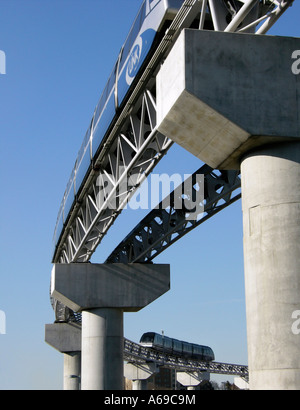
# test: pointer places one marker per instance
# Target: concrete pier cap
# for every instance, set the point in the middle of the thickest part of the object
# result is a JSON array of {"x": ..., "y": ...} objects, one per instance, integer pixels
[
  {"x": 233, "y": 101},
  {"x": 130, "y": 287},
  {"x": 220, "y": 95},
  {"x": 102, "y": 292}
]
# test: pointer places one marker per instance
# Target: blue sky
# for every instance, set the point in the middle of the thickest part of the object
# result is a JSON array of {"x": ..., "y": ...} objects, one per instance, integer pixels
[{"x": 59, "y": 55}]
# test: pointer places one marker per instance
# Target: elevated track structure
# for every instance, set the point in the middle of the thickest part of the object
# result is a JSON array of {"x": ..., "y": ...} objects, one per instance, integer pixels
[
  {"x": 135, "y": 353},
  {"x": 132, "y": 146},
  {"x": 107, "y": 174}
]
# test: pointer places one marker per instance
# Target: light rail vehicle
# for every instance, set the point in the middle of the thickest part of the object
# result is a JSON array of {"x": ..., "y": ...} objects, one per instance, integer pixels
[{"x": 177, "y": 347}]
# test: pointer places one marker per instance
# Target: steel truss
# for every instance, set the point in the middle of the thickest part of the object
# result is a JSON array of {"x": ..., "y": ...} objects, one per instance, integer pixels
[
  {"x": 132, "y": 156},
  {"x": 132, "y": 150},
  {"x": 135, "y": 353},
  {"x": 165, "y": 225},
  {"x": 134, "y": 147}
]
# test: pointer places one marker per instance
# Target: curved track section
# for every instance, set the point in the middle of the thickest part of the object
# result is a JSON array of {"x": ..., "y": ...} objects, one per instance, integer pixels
[
  {"x": 130, "y": 152},
  {"x": 133, "y": 146},
  {"x": 135, "y": 353},
  {"x": 166, "y": 224}
]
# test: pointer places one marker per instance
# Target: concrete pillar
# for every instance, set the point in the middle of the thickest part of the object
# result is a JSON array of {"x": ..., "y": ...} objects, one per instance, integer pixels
[
  {"x": 139, "y": 374},
  {"x": 66, "y": 338},
  {"x": 271, "y": 213},
  {"x": 72, "y": 370},
  {"x": 102, "y": 349},
  {"x": 102, "y": 292},
  {"x": 140, "y": 384},
  {"x": 191, "y": 379},
  {"x": 223, "y": 102}
]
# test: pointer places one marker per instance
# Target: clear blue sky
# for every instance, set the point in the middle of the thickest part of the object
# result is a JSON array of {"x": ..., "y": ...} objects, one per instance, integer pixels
[{"x": 59, "y": 55}]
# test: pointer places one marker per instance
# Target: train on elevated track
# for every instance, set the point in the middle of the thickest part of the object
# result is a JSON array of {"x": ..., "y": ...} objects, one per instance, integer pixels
[
  {"x": 154, "y": 17},
  {"x": 177, "y": 347},
  {"x": 151, "y": 23}
]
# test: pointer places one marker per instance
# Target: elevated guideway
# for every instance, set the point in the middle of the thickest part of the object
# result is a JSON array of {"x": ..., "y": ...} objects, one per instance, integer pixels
[
  {"x": 135, "y": 353},
  {"x": 132, "y": 148}
]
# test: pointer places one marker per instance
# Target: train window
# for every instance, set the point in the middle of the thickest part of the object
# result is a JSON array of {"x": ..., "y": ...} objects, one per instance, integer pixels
[
  {"x": 186, "y": 347},
  {"x": 206, "y": 351},
  {"x": 177, "y": 345},
  {"x": 99, "y": 108},
  {"x": 167, "y": 343},
  {"x": 111, "y": 81},
  {"x": 83, "y": 148},
  {"x": 158, "y": 340},
  {"x": 197, "y": 350},
  {"x": 147, "y": 338},
  {"x": 133, "y": 34},
  {"x": 109, "y": 85}
]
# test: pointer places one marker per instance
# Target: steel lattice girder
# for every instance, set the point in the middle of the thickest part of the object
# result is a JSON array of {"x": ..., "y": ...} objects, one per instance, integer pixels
[
  {"x": 134, "y": 154},
  {"x": 163, "y": 226},
  {"x": 89, "y": 220},
  {"x": 135, "y": 353}
]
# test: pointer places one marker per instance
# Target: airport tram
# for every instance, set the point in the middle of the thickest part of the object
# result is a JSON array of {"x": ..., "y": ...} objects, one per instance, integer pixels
[
  {"x": 177, "y": 347},
  {"x": 151, "y": 23}
]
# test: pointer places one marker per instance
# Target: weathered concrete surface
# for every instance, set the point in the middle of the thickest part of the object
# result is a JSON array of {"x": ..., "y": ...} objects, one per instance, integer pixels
[
  {"x": 103, "y": 292},
  {"x": 140, "y": 371},
  {"x": 271, "y": 214},
  {"x": 129, "y": 287},
  {"x": 192, "y": 379},
  {"x": 221, "y": 94},
  {"x": 102, "y": 349},
  {"x": 72, "y": 371},
  {"x": 64, "y": 337}
]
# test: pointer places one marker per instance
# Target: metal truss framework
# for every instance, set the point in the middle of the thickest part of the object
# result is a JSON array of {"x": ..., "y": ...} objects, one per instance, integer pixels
[
  {"x": 132, "y": 150},
  {"x": 134, "y": 145},
  {"x": 165, "y": 225},
  {"x": 135, "y": 353},
  {"x": 133, "y": 155}
]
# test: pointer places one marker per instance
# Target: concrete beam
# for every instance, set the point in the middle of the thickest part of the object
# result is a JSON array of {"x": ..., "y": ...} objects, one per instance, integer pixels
[
  {"x": 191, "y": 379},
  {"x": 141, "y": 371},
  {"x": 139, "y": 374},
  {"x": 103, "y": 293},
  {"x": 221, "y": 94},
  {"x": 129, "y": 287},
  {"x": 64, "y": 337}
]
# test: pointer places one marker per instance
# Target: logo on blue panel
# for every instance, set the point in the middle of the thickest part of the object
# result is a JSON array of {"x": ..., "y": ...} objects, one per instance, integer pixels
[
  {"x": 134, "y": 60},
  {"x": 138, "y": 54}
]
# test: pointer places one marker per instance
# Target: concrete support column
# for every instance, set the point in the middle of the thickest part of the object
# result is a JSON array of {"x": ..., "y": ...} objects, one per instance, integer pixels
[
  {"x": 140, "y": 384},
  {"x": 139, "y": 374},
  {"x": 191, "y": 379},
  {"x": 102, "y": 349},
  {"x": 66, "y": 338},
  {"x": 72, "y": 370},
  {"x": 271, "y": 214},
  {"x": 102, "y": 293}
]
